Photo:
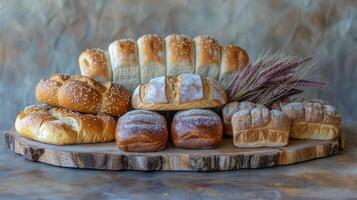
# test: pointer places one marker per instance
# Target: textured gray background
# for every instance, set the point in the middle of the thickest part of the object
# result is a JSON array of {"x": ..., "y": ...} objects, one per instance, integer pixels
[{"x": 39, "y": 38}]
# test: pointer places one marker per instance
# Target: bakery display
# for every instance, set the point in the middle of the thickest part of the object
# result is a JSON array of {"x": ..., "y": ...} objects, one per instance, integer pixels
[
  {"x": 141, "y": 131},
  {"x": 260, "y": 127},
  {"x": 311, "y": 119},
  {"x": 137, "y": 62},
  {"x": 61, "y": 126},
  {"x": 178, "y": 93},
  {"x": 196, "y": 129},
  {"x": 230, "y": 109},
  {"x": 82, "y": 94}
]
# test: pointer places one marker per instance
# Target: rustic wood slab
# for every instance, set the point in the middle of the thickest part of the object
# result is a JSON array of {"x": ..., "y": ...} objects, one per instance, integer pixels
[{"x": 227, "y": 157}]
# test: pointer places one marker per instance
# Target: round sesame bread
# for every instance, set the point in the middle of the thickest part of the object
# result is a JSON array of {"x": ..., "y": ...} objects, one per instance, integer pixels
[
  {"x": 59, "y": 126},
  {"x": 82, "y": 94},
  {"x": 141, "y": 131}
]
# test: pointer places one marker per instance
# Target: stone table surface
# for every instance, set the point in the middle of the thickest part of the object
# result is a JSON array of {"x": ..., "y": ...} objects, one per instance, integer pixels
[{"x": 330, "y": 178}]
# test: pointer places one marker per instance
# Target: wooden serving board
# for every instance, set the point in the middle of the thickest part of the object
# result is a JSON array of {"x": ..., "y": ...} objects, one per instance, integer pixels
[{"x": 227, "y": 157}]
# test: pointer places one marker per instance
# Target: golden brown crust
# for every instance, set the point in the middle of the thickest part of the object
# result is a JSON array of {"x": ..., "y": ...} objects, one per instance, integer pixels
[
  {"x": 141, "y": 131},
  {"x": 233, "y": 59},
  {"x": 311, "y": 119},
  {"x": 207, "y": 54},
  {"x": 179, "y": 54},
  {"x": 196, "y": 128},
  {"x": 260, "y": 127},
  {"x": 83, "y": 94},
  {"x": 151, "y": 57},
  {"x": 230, "y": 109},
  {"x": 95, "y": 64},
  {"x": 60, "y": 126},
  {"x": 178, "y": 93}
]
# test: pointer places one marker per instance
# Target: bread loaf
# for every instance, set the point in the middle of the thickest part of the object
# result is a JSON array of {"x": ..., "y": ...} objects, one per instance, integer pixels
[
  {"x": 124, "y": 63},
  {"x": 141, "y": 131},
  {"x": 133, "y": 64},
  {"x": 230, "y": 109},
  {"x": 60, "y": 126},
  {"x": 260, "y": 127},
  {"x": 177, "y": 93},
  {"x": 196, "y": 129},
  {"x": 95, "y": 63},
  {"x": 311, "y": 119},
  {"x": 83, "y": 94},
  {"x": 233, "y": 60}
]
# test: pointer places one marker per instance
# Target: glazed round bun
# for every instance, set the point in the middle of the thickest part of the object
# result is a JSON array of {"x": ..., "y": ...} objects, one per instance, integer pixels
[
  {"x": 141, "y": 131},
  {"x": 82, "y": 94},
  {"x": 60, "y": 126},
  {"x": 196, "y": 128}
]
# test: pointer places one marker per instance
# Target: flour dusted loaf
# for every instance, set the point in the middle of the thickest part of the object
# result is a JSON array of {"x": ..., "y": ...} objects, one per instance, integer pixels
[
  {"x": 82, "y": 94},
  {"x": 61, "y": 126},
  {"x": 196, "y": 129},
  {"x": 260, "y": 127},
  {"x": 137, "y": 62},
  {"x": 311, "y": 119},
  {"x": 141, "y": 131},
  {"x": 230, "y": 109},
  {"x": 178, "y": 93}
]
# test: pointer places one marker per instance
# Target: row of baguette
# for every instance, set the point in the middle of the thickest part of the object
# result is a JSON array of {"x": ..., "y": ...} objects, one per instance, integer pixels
[{"x": 83, "y": 110}]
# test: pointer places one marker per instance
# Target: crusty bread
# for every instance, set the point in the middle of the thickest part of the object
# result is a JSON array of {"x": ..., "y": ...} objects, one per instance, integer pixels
[
  {"x": 179, "y": 55},
  {"x": 196, "y": 129},
  {"x": 175, "y": 55},
  {"x": 124, "y": 62},
  {"x": 230, "y": 109},
  {"x": 151, "y": 57},
  {"x": 178, "y": 93},
  {"x": 141, "y": 131},
  {"x": 207, "y": 57},
  {"x": 60, "y": 126},
  {"x": 83, "y": 94},
  {"x": 260, "y": 127},
  {"x": 311, "y": 119},
  {"x": 233, "y": 60},
  {"x": 95, "y": 63}
]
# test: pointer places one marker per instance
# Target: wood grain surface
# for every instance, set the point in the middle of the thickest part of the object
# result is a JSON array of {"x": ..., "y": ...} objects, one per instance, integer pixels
[{"x": 226, "y": 157}]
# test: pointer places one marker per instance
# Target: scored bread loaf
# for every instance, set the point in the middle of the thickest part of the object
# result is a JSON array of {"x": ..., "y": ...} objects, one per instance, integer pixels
[
  {"x": 196, "y": 128},
  {"x": 82, "y": 94},
  {"x": 141, "y": 131},
  {"x": 177, "y": 93},
  {"x": 61, "y": 126},
  {"x": 311, "y": 119},
  {"x": 260, "y": 127},
  {"x": 136, "y": 63},
  {"x": 230, "y": 109}
]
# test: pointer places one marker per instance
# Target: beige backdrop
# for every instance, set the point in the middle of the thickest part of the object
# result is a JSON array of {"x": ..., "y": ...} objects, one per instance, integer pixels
[{"x": 42, "y": 37}]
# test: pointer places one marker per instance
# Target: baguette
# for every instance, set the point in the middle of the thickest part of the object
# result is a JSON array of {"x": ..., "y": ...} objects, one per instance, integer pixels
[
  {"x": 83, "y": 94},
  {"x": 152, "y": 57},
  {"x": 177, "y": 93}
]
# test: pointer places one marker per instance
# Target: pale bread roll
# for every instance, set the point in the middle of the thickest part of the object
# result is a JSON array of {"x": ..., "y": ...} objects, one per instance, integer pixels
[
  {"x": 233, "y": 59},
  {"x": 260, "y": 127},
  {"x": 311, "y": 119},
  {"x": 178, "y": 93},
  {"x": 151, "y": 57},
  {"x": 207, "y": 54},
  {"x": 60, "y": 126},
  {"x": 95, "y": 64},
  {"x": 124, "y": 61},
  {"x": 179, "y": 55}
]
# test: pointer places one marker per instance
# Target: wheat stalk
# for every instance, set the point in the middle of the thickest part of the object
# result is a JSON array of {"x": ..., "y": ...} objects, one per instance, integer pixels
[{"x": 271, "y": 78}]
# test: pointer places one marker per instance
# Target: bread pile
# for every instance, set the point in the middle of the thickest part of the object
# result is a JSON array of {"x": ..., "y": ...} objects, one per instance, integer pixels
[{"x": 183, "y": 77}]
